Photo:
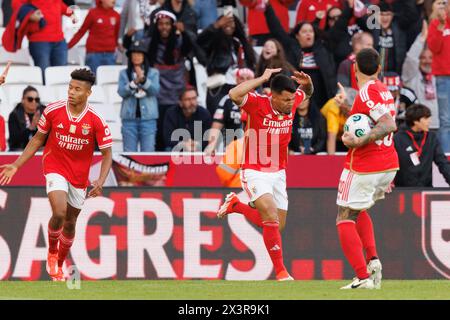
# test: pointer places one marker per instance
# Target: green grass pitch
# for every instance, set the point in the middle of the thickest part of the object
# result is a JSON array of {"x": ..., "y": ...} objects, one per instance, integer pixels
[{"x": 224, "y": 290}]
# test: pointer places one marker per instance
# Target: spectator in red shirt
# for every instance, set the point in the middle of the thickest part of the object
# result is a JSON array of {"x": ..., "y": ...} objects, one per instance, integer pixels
[
  {"x": 310, "y": 10},
  {"x": 47, "y": 45},
  {"x": 257, "y": 26},
  {"x": 103, "y": 24},
  {"x": 439, "y": 43}
]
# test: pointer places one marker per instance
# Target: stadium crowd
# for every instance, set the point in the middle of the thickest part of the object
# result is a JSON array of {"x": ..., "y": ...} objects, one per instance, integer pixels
[{"x": 163, "y": 41}]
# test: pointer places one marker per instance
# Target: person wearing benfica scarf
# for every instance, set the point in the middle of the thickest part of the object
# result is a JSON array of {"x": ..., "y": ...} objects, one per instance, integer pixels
[{"x": 23, "y": 120}]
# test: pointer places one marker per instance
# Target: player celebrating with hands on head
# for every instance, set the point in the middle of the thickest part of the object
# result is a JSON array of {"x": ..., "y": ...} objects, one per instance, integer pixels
[
  {"x": 369, "y": 169},
  {"x": 267, "y": 137},
  {"x": 71, "y": 129}
]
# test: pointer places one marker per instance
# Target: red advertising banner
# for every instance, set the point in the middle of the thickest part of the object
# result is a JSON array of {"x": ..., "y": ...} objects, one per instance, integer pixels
[
  {"x": 161, "y": 233},
  {"x": 188, "y": 171}
]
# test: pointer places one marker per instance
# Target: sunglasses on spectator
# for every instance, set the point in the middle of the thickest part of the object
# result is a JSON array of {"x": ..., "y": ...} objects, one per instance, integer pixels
[
  {"x": 31, "y": 99},
  {"x": 334, "y": 18}
]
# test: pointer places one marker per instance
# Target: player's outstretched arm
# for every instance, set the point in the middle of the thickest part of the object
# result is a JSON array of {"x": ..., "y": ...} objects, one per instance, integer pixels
[
  {"x": 104, "y": 170},
  {"x": 9, "y": 170},
  {"x": 238, "y": 93},
  {"x": 385, "y": 125}
]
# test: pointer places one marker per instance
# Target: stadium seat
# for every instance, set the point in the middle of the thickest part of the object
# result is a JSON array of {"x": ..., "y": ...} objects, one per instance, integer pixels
[
  {"x": 59, "y": 75},
  {"x": 97, "y": 96},
  {"x": 24, "y": 75},
  {"x": 5, "y": 109},
  {"x": 108, "y": 74},
  {"x": 77, "y": 55},
  {"x": 14, "y": 94},
  {"x": 47, "y": 94},
  {"x": 201, "y": 76},
  {"x": 111, "y": 93},
  {"x": 112, "y": 119},
  {"x": 21, "y": 57}
]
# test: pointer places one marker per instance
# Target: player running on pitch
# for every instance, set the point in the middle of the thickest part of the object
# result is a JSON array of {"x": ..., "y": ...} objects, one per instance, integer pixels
[
  {"x": 267, "y": 136},
  {"x": 369, "y": 169},
  {"x": 71, "y": 128}
]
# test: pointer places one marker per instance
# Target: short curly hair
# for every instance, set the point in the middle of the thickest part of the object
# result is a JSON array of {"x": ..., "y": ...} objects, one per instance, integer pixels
[{"x": 83, "y": 75}]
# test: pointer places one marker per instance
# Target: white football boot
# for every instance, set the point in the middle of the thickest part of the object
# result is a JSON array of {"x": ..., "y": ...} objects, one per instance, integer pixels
[
  {"x": 360, "y": 284},
  {"x": 374, "y": 269}
]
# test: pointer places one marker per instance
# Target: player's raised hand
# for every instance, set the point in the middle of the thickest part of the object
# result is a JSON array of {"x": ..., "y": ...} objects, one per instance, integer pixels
[
  {"x": 424, "y": 33},
  {"x": 341, "y": 96},
  {"x": 269, "y": 72},
  {"x": 9, "y": 170},
  {"x": 350, "y": 140},
  {"x": 96, "y": 190},
  {"x": 301, "y": 78},
  {"x": 5, "y": 73}
]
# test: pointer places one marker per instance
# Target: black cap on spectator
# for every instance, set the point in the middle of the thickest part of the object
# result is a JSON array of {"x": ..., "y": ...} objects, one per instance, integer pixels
[{"x": 138, "y": 46}]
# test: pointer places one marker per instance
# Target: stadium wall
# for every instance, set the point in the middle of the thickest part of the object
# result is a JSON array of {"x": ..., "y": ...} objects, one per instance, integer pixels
[
  {"x": 322, "y": 171},
  {"x": 173, "y": 233}
]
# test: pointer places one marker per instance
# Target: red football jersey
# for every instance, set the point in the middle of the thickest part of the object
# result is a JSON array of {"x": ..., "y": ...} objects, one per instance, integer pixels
[
  {"x": 71, "y": 141},
  {"x": 267, "y": 133},
  {"x": 374, "y": 100}
]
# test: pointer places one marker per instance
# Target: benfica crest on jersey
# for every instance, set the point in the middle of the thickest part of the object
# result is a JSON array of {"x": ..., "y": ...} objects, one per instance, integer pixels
[
  {"x": 85, "y": 128},
  {"x": 436, "y": 230}
]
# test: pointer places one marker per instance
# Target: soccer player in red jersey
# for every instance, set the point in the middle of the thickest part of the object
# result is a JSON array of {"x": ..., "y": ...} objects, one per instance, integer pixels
[
  {"x": 267, "y": 135},
  {"x": 369, "y": 169},
  {"x": 71, "y": 128}
]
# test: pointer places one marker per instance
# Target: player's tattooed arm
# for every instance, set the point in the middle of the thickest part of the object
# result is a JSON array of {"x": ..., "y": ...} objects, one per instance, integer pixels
[
  {"x": 238, "y": 93},
  {"x": 385, "y": 125}
]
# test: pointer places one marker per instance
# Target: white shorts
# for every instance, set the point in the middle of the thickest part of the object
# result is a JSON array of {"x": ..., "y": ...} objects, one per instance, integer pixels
[
  {"x": 256, "y": 183},
  {"x": 75, "y": 196},
  {"x": 360, "y": 191}
]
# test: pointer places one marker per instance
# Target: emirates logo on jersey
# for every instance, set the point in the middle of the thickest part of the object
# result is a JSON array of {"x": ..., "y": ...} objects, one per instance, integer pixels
[
  {"x": 85, "y": 129},
  {"x": 71, "y": 143}
]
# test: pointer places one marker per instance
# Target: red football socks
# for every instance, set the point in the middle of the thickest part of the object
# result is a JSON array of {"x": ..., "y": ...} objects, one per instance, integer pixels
[
  {"x": 364, "y": 227},
  {"x": 250, "y": 213},
  {"x": 64, "y": 247},
  {"x": 53, "y": 237},
  {"x": 272, "y": 240},
  {"x": 352, "y": 247}
]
